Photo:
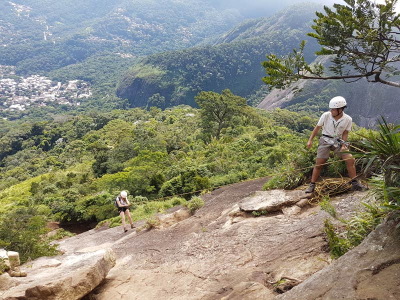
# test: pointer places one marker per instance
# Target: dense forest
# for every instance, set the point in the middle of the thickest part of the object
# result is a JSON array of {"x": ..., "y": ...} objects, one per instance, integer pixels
[
  {"x": 234, "y": 62},
  {"x": 69, "y": 32}
]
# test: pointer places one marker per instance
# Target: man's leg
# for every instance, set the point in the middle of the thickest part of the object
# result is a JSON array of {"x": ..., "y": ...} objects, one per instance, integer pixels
[
  {"x": 123, "y": 219},
  {"x": 350, "y": 164},
  {"x": 315, "y": 175},
  {"x": 129, "y": 217},
  {"x": 318, "y": 168},
  {"x": 351, "y": 168}
]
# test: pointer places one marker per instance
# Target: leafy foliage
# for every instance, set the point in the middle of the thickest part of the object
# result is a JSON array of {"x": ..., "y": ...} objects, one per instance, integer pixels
[
  {"x": 233, "y": 63},
  {"x": 218, "y": 110},
  {"x": 194, "y": 204},
  {"x": 361, "y": 36},
  {"x": 355, "y": 230},
  {"x": 23, "y": 230},
  {"x": 382, "y": 156}
]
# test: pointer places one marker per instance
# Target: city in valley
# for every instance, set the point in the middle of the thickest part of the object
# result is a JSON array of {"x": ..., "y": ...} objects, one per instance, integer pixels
[{"x": 19, "y": 93}]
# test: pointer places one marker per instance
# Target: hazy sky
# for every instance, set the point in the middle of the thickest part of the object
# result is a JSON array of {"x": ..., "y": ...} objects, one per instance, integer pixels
[{"x": 263, "y": 8}]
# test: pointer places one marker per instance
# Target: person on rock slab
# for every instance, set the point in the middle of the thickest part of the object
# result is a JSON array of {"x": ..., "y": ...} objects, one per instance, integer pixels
[{"x": 123, "y": 204}]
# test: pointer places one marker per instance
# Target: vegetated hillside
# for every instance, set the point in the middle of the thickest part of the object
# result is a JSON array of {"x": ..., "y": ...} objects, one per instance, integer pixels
[
  {"x": 72, "y": 166},
  {"x": 39, "y": 36},
  {"x": 366, "y": 101},
  {"x": 173, "y": 78}
]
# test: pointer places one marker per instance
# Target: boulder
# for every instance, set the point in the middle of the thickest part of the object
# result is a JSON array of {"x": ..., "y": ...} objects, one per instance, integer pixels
[
  {"x": 7, "y": 282},
  {"x": 271, "y": 201},
  {"x": 369, "y": 271},
  {"x": 170, "y": 219},
  {"x": 72, "y": 277}
]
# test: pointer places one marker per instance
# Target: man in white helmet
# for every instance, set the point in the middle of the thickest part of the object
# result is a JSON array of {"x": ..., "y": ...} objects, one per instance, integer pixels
[
  {"x": 336, "y": 126},
  {"x": 122, "y": 204}
]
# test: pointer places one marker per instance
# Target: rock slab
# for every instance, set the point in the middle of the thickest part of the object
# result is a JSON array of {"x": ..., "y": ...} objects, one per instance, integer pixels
[
  {"x": 369, "y": 271},
  {"x": 72, "y": 278},
  {"x": 270, "y": 201}
]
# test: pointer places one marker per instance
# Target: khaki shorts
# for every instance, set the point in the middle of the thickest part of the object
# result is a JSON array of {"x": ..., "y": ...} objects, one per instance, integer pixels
[{"x": 325, "y": 148}]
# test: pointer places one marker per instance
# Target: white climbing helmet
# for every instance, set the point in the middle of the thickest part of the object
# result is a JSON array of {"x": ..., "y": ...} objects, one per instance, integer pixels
[
  {"x": 337, "y": 102},
  {"x": 124, "y": 194}
]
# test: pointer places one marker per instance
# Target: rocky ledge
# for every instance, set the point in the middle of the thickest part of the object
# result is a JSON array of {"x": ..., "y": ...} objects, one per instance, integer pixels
[{"x": 63, "y": 277}]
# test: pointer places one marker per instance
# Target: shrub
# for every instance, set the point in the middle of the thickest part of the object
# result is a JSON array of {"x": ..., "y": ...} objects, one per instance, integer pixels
[
  {"x": 23, "y": 230},
  {"x": 139, "y": 199},
  {"x": 287, "y": 179},
  {"x": 178, "y": 201},
  {"x": 327, "y": 206},
  {"x": 356, "y": 229},
  {"x": 3, "y": 266},
  {"x": 195, "y": 204},
  {"x": 152, "y": 222},
  {"x": 382, "y": 156},
  {"x": 60, "y": 234}
]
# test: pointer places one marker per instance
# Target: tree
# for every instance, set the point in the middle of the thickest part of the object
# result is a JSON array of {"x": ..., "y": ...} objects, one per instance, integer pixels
[
  {"x": 362, "y": 38},
  {"x": 218, "y": 110}
]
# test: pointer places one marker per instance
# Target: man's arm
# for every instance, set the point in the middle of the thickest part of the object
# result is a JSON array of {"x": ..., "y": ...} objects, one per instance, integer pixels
[{"x": 313, "y": 134}]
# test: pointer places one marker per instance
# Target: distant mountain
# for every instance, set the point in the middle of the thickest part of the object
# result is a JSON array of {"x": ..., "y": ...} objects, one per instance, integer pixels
[
  {"x": 234, "y": 62},
  {"x": 38, "y": 36}
]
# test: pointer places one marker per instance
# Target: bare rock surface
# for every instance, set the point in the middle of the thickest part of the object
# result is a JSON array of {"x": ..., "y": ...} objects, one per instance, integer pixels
[
  {"x": 63, "y": 277},
  {"x": 221, "y": 252},
  {"x": 370, "y": 271},
  {"x": 225, "y": 252}
]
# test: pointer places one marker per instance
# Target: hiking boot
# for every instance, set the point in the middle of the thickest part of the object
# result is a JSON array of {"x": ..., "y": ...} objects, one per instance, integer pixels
[
  {"x": 356, "y": 186},
  {"x": 311, "y": 188},
  {"x": 132, "y": 226},
  {"x": 125, "y": 230}
]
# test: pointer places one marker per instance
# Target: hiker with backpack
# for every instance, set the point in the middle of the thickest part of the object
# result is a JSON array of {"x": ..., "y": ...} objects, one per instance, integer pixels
[
  {"x": 122, "y": 203},
  {"x": 336, "y": 126}
]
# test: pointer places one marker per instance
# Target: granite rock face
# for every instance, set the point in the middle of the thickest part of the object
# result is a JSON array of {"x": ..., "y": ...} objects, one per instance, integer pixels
[
  {"x": 369, "y": 271},
  {"x": 63, "y": 277},
  {"x": 223, "y": 252}
]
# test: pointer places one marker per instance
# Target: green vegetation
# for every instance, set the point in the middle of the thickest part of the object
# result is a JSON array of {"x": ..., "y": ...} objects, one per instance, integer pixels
[
  {"x": 194, "y": 204},
  {"x": 382, "y": 157},
  {"x": 362, "y": 38},
  {"x": 97, "y": 40},
  {"x": 71, "y": 168},
  {"x": 218, "y": 110},
  {"x": 355, "y": 229},
  {"x": 233, "y": 63},
  {"x": 60, "y": 234},
  {"x": 23, "y": 229}
]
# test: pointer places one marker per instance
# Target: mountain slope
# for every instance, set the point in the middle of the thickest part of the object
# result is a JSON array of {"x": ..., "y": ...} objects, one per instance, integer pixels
[
  {"x": 39, "y": 36},
  {"x": 366, "y": 101},
  {"x": 234, "y": 62}
]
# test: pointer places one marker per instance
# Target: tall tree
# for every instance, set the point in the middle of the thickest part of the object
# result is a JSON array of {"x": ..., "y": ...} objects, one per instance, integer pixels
[
  {"x": 218, "y": 110},
  {"x": 362, "y": 38}
]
